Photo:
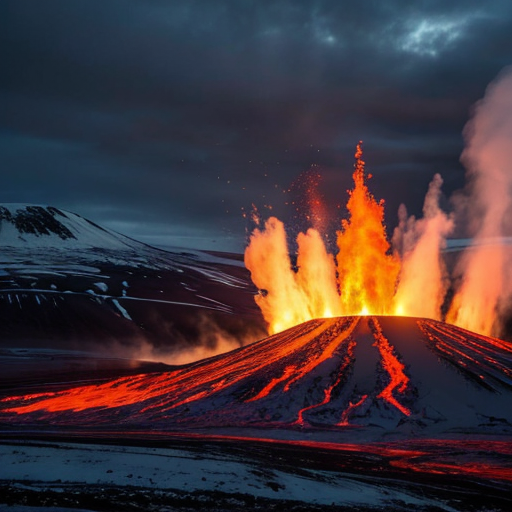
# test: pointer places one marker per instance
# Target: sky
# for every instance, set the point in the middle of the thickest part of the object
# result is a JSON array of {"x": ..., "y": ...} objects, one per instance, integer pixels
[{"x": 167, "y": 120}]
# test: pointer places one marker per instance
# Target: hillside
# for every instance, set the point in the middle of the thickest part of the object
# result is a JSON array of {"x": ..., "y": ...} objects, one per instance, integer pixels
[
  {"x": 67, "y": 283},
  {"x": 351, "y": 378}
]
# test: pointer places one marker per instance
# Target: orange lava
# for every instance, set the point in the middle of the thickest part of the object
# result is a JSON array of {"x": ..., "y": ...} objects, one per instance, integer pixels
[
  {"x": 164, "y": 392},
  {"x": 367, "y": 273},
  {"x": 348, "y": 411},
  {"x": 328, "y": 390},
  {"x": 398, "y": 380},
  {"x": 293, "y": 373},
  {"x": 360, "y": 281}
]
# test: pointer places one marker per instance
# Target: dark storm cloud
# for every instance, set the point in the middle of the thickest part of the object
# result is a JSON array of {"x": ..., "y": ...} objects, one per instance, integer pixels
[{"x": 163, "y": 117}]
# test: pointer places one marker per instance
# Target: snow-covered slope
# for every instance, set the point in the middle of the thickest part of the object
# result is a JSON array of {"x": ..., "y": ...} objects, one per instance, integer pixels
[
  {"x": 354, "y": 378},
  {"x": 66, "y": 282},
  {"x": 45, "y": 226},
  {"x": 43, "y": 234}
]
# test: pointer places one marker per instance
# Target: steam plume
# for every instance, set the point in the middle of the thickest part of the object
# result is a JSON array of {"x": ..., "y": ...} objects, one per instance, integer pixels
[
  {"x": 317, "y": 275},
  {"x": 423, "y": 278},
  {"x": 268, "y": 260},
  {"x": 488, "y": 160}
]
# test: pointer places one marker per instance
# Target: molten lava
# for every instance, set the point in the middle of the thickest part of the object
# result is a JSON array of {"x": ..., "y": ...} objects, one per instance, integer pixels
[
  {"x": 368, "y": 278},
  {"x": 360, "y": 281},
  {"x": 367, "y": 273},
  {"x": 413, "y": 279},
  {"x": 397, "y": 379},
  {"x": 298, "y": 375}
]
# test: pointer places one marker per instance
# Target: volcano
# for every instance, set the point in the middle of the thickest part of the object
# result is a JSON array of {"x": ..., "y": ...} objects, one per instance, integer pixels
[
  {"x": 348, "y": 378},
  {"x": 365, "y": 412}
]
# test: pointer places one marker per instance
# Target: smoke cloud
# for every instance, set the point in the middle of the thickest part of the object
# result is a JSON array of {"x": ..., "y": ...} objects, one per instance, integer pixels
[
  {"x": 423, "y": 279},
  {"x": 212, "y": 337},
  {"x": 483, "y": 292}
]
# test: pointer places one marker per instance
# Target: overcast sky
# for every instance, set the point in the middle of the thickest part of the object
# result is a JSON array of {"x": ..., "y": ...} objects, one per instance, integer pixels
[{"x": 164, "y": 120}]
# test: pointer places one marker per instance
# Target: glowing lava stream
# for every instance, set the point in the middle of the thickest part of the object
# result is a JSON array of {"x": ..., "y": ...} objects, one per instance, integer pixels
[
  {"x": 203, "y": 379},
  {"x": 490, "y": 364},
  {"x": 328, "y": 391},
  {"x": 290, "y": 362},
  {"x": 294, "y": 373},
  {"x": 398, "y": 379},
  {"x": 348, "y": 411}
]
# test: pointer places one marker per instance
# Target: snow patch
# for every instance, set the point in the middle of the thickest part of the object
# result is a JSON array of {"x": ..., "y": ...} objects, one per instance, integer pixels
[
  {"x": 103, "y": 287},
  {"x": 121, "y": 309}
]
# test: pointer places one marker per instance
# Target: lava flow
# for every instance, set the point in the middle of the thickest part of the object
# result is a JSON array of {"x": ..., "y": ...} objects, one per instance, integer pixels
[
  {"x": 339, "y": 373},
  {"x": 298, "y": 375}
]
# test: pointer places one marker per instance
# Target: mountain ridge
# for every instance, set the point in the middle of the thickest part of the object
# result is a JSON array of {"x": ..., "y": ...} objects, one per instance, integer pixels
[
  {"x": 31, "y": 225},
  {"x": 66, "y": 281}
]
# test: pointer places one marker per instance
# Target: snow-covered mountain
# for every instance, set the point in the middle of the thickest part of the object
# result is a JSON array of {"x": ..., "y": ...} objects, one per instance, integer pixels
[
  {"x": 35, "y": 226},
  {"x": 66, "y": 282}
]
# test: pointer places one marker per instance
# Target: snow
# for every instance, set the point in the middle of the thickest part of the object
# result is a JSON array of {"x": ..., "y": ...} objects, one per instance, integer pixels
[
  {"x": 202, "y": 256},
  {"x": 219, "y": 277},
  {"x": 121, "y": 309},
  {"x": 180, "y": 469},
  {"x": 220, "y": 305},
  {"x": 178, "y": 303},
  {"x": 86, "y": 234},
  {"x": 455, "y": 244},
  {"x": 203, "y": 302},
  {"x": 102, "y": 287}
]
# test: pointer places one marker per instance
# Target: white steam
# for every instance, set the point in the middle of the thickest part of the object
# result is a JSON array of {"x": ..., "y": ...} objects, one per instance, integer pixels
[
  {"x": 483, "y": 290},
  {"x": 423, "y": 279}
]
